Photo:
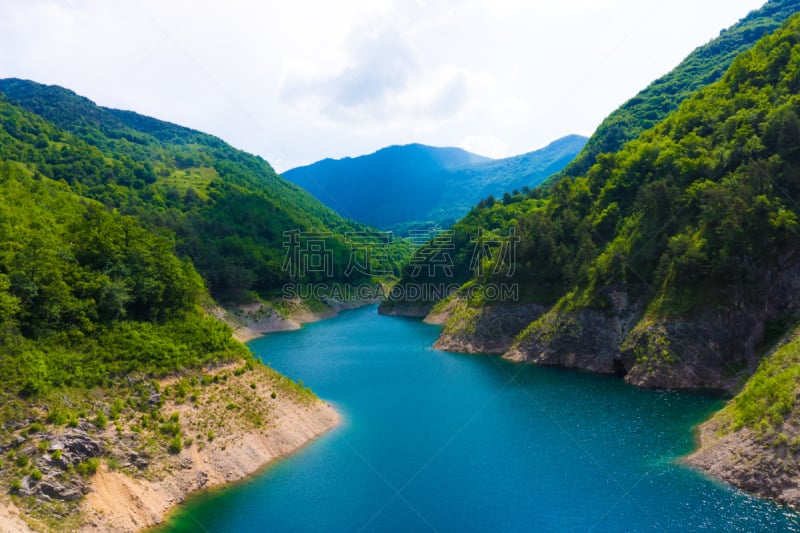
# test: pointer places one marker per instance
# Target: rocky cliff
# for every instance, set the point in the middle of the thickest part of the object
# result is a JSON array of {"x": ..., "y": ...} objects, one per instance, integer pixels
[
  {"x": 490, "y": 329},
  {"x": 754, "y": 442},
  {"x": 124, "y": 471},
  {"x": 712, "y": 346}
]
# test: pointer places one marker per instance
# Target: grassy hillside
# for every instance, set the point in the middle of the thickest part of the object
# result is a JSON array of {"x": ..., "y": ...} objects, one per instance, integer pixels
[
  {"x": 702, "y": 67},
  {"x": 228, "y": 209},
  {"x": 402, "y": 187}
]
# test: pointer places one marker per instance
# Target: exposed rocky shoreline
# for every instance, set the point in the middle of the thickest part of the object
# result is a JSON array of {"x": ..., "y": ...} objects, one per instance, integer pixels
[
  {"x": 253, "y": 320},
  {"x": 243, "y": 418},
  {"x": 489, "y": 329},
  {"x": 717, "y": 347},
  {"x": 117, "y": 501},
  {"x": 751, "y": 463},
  {"x": 144, "y": 485}
]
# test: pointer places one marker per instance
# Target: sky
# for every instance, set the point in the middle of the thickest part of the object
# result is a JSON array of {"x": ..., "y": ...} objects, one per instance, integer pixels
[{"x": 301, "y": 80}]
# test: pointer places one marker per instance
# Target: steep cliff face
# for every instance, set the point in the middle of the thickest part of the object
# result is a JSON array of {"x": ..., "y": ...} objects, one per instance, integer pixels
[
  {"x": 584, "y": 338},
  {"x": 712, "y": 346},
  {"x": 716, "y": 346},
  {"x": 754, "y": 442},
  {"x": 491, "y": 329}
]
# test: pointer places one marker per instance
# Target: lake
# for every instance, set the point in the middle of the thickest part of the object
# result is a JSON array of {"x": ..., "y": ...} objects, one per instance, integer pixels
[{"x": 435, "y": 441}]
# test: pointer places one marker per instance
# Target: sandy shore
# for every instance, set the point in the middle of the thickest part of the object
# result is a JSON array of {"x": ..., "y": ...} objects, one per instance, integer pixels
[
  {"x": 10, "y": 521},
  {"x": 119, "y": 502}
]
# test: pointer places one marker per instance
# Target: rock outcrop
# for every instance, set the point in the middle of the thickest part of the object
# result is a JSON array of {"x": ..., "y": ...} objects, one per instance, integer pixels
[
  {"x": 408, "y": 309},
  {"x": 713, "y": 346},
  {"x": 489, "y": 329},
  {"x": 754, "y": 464},
  {"x": 585, "y": 338}
]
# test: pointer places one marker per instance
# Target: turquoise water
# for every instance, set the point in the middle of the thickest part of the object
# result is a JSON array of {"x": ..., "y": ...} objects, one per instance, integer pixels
[{"x": 433, "y": 441}]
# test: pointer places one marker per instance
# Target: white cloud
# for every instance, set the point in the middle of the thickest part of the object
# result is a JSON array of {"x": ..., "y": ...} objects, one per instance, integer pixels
[
  {"x": 487, "y": 145},
  {"x": 299, "y": 81}
]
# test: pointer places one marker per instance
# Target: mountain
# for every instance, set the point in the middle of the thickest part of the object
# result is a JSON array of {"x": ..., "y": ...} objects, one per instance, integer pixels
[
  {"x": 400, "y": 186},
  {"x": 702, "y": 67},
  {"x": 391, "y": 186},
  {"x": 466, "y": 186},
  {"x": 673, "y": 262},
  {"x": 228, "y": 210},
  {"x": 117, "y": 233}
]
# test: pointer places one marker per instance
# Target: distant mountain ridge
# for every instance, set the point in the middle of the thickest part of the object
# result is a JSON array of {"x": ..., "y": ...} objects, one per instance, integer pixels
[{"x": 399, "y": 186}]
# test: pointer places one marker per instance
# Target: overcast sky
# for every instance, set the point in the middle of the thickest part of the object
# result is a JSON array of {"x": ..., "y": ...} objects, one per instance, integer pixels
[{"x": 300, "y": 80}]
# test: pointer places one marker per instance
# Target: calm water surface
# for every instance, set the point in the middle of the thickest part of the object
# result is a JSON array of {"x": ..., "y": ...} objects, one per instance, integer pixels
[{"x": 434, "y": 441}]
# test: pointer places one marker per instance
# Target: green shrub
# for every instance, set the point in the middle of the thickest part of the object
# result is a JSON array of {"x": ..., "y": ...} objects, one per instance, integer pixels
[
  {"x": 175, "y": 445},
  {"x": 88, "y": 467},
  {"x": 101, "y": 421},
  {"x": 116, "y": 409}
]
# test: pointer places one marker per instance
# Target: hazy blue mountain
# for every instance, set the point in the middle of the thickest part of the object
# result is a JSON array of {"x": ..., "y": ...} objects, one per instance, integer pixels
[{"x": 399, "y": 186}]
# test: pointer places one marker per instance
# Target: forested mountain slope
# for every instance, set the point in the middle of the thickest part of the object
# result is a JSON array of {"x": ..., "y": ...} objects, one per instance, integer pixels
[
  {"x": 113, "y": 228},
  {"x": 696, "y": 216},
  {"x": 703, "y": 66},
  {"x": 228, "y": 209},
  {"x": 674, "y": 262}
]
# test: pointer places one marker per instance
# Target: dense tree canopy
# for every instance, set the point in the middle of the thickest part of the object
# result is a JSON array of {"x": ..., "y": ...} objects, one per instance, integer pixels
[
  {"x": 702, "y": 67},
  {"x": 707, "y": 198},
  {"x": 228, "y": 209},
  {"x": 87, "y": 295}
]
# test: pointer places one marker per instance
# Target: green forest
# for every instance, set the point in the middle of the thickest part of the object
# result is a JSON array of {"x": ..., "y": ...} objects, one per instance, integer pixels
[
  {"x": 118, "y": 231},
  {"x": 88, "y": 295},
  {"x": 702, "y": 67},
  {"x": 228, "y": 210},
  {"x": 707, "y": 198},
  {"x": 697, "y": 215}
]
